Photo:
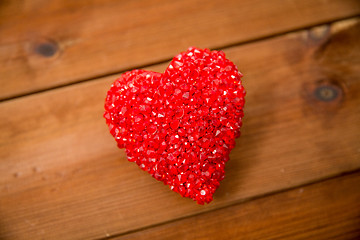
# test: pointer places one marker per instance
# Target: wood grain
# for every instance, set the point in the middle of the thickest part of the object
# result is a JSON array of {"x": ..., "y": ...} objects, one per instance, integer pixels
[
  {"x": 327, "y": 210},
  {"x": 45, "y": 44},
  {"x": 63, "y": 177}
]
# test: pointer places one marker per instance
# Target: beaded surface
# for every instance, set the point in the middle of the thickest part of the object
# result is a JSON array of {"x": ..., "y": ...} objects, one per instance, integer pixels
[{"x": 180, "y": 126}]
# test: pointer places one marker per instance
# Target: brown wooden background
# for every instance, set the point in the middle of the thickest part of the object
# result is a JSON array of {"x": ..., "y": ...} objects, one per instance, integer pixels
[{"x": 294, "y": 174}]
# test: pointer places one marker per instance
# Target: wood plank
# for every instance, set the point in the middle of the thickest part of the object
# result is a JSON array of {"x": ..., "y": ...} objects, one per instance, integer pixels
[
  {"x": 327, "y": 210},
  {"x": 61, "y": 175},
  {"x": 45, "y": 44}
]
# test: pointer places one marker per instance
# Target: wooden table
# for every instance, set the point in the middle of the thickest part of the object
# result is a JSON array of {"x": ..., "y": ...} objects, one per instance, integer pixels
[{"x": 294, "y": 173}]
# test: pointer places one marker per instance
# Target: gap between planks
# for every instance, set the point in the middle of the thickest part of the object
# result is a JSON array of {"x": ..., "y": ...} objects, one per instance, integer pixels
[
  {"x": 147, "y": 39},
  {"x": 163, "y": 61},
  {"x": 243, "y": 201}
]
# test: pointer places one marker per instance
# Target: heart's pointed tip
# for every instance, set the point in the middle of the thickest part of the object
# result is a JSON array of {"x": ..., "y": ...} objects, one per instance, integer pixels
[{"x": 202, "y": 201}]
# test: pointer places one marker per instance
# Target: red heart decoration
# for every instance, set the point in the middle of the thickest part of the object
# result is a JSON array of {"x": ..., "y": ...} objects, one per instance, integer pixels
[{"x": 180, "y": 126}]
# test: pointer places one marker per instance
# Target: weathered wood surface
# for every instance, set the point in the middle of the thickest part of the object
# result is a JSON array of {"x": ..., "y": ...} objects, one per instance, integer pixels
[
  {"x": 327, "y": 210},
  {"x": 63, "y": 177},
  {"x": 44, "y": 44}
]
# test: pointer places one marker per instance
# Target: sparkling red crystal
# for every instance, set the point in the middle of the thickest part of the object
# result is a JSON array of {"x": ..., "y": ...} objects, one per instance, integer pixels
[{"x": 180, "y": 126}]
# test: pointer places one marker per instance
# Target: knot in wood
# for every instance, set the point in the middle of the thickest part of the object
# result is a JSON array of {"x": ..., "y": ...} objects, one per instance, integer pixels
[
  {"x": 46, "y": 48},
  {"x": 327, "y": 93}
]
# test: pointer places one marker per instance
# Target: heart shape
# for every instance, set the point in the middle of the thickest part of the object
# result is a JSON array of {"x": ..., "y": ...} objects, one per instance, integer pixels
[{"x": 180, "y": 126}]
